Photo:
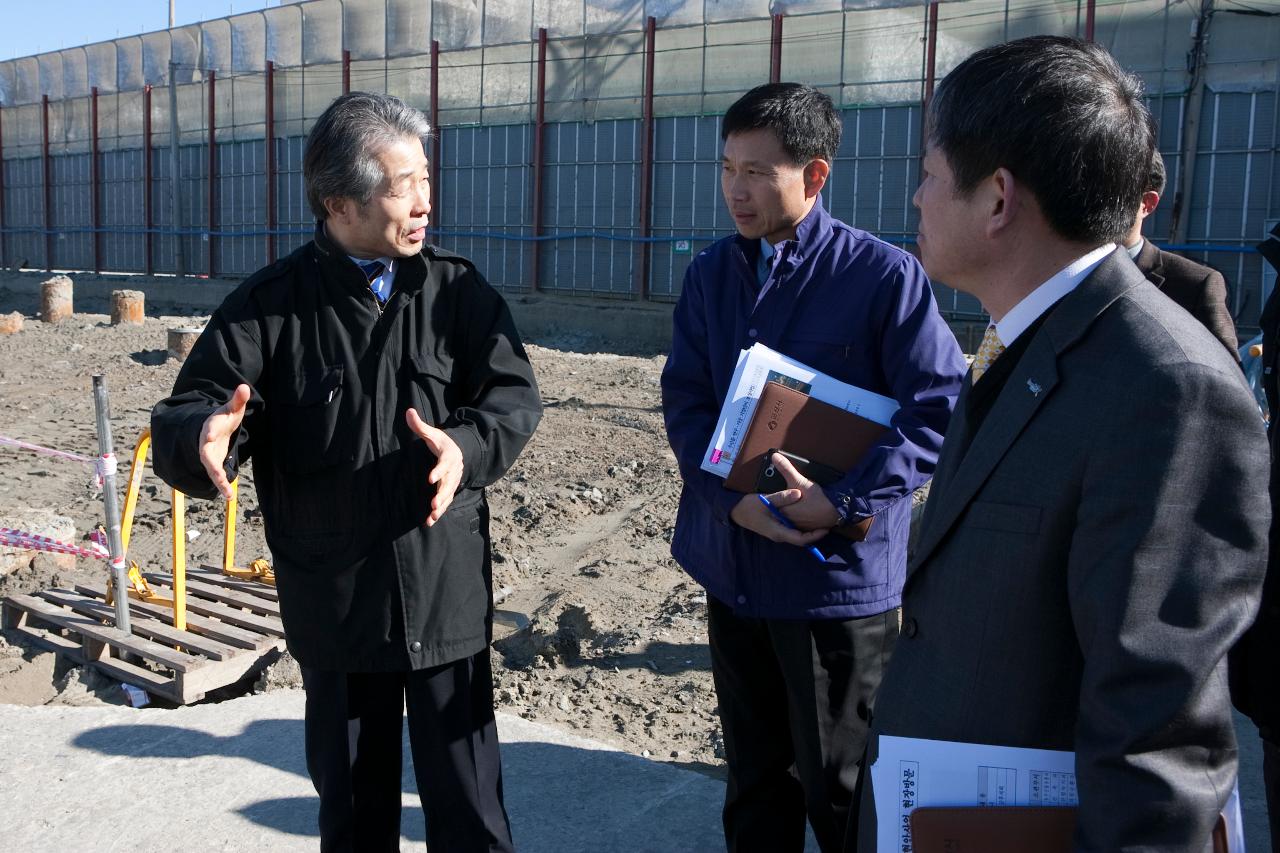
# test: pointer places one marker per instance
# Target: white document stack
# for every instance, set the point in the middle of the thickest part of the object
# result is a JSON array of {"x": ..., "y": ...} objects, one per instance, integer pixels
[{"x": 759, "y": 365}]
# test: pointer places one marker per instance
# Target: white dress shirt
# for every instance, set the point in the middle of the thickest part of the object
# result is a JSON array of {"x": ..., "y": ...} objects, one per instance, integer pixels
[{"x": 1043, "y": 297}]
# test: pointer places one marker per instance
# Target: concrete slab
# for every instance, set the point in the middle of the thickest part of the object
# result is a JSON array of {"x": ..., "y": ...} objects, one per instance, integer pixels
[{"x": 231, "y": 776}]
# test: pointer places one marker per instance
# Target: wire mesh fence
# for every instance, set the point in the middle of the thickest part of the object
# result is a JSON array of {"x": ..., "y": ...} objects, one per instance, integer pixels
[{"x": 573, "y": 205}]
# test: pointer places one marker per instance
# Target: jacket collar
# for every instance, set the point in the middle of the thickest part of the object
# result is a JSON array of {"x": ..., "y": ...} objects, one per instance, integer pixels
[
  {"x": 814, "y": 229},
  {"x": 1032, "y": 382},
  {"x": 1149, "y": 262},
  {"x": 328, "y": 250},
  {"x": 333, "y": 259}
]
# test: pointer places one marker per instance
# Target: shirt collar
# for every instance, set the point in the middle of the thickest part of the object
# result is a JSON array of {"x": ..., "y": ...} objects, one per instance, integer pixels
[
  {"x": 1043, "y": 297},
  {"x": 1136, "y": 248},
  {"x": 768, "y": 250},
  {"x": 387, "y": 263}
]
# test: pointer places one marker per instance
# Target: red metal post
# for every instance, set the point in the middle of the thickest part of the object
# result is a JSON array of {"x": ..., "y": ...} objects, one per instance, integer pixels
[
  {"x": 2, "y": 234},
  {"x": 1089, "y": 10},
  {"x": 346, "y": 71},
  {"x": 271, "y": 161},
  {"x": 646, "y": 157},
  {"x": 95, "y": 182},
  {"x": 538, "y": 127},
  {"x": 775, "y": 50},
  {"x": 930, "y": 73},
  {"x": 146, "y": 170},
  {"x": 48, "y": 182},
  {"x": 434, "y": 166},
  {"x": 931, "y": 53},
  {"x": 213, "y": 170}
]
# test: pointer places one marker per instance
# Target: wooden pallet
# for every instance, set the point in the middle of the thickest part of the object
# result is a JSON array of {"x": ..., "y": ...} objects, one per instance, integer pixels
[{"x": 233, "y": 630}]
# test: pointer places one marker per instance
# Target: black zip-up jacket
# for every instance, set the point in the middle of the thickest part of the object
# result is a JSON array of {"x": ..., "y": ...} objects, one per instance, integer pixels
[{"x": 364, "y": 586}]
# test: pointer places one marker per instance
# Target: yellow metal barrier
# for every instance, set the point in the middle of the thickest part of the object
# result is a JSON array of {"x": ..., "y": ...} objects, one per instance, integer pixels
[
  {"x": 135, "y": 483},
  {"x": 229, "y": 529},
  {"x": 258, "y": 570},
  {"x": 179, "y": 526}
]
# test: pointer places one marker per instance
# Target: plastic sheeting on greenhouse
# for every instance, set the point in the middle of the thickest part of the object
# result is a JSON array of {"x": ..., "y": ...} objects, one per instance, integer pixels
[
  {"x": 861, "y": 51},
  {"x": 870, "y": 56}
]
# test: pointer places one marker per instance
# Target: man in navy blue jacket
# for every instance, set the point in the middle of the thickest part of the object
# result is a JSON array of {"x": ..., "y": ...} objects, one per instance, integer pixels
[{"x": 798, "y": 645}]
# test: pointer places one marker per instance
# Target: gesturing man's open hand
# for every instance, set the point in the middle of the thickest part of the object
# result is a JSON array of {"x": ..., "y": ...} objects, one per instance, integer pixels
[
  {"x": 447, "y": 473},
  {"x": 215, "y": 437}
]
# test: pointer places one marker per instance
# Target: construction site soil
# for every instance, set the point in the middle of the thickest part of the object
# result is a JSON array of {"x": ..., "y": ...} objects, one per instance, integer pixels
[{"x": 615, "y": 648}]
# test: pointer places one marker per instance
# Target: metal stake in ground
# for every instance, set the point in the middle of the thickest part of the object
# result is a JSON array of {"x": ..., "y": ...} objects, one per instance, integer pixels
[{"x": 107, "y": 465}]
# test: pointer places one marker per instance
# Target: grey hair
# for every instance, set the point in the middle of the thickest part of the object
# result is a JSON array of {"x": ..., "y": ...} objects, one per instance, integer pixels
[{"x": 341, "y": 155}]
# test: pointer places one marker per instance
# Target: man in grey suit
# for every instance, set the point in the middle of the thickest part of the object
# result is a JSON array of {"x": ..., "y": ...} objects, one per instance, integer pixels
[{"x": 1095, "y": 539}]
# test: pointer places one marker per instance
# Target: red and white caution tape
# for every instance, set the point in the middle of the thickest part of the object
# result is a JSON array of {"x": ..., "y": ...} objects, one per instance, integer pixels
[
  {"x": 46, "y": 451},
  {"x": 102, "y": 465},
  {"x": 32, "y": 542}
]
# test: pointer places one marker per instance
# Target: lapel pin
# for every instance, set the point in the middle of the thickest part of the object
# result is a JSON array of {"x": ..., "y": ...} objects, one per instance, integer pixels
[{"x": 1034, "y": 387}]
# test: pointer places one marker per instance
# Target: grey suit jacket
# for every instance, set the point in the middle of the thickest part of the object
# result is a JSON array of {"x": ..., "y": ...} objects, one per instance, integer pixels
[{"x": 1084, "y": 568}]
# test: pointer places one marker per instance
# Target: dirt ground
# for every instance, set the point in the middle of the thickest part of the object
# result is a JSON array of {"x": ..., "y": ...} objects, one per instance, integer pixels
[{"x": 616, "y": 648}]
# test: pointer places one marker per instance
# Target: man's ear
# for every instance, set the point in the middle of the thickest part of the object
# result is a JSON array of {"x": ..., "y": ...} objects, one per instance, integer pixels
[
  {"x": 1150, "y": 199},
  {"x": 1001, "y": 203},
  {"x": 339, "y": 208},
  {"x": 816, "y": 173}
]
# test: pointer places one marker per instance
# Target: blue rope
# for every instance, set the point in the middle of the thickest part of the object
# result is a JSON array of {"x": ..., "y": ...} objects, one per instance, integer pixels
[{"x": 703, "y": 237}]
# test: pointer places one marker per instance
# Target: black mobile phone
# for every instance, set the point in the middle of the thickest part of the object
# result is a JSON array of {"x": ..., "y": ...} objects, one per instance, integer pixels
[{"x": 770, "y": 479}]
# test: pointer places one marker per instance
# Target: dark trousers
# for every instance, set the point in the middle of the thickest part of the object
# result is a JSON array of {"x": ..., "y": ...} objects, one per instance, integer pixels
[
  {"x": 795, "y": 703},
  {"x": 353, "y": 740},
  {"x": 1271, "y": 778}
]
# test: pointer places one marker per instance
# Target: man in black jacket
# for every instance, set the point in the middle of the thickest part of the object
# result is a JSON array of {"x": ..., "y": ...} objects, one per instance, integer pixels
[
  {"x": 378, "y": 384},
  {"x": 1201, "y": 290}
]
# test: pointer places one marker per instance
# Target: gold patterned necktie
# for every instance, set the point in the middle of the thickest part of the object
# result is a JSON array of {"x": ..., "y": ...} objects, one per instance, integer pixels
[{"x": 988, "y": 352}]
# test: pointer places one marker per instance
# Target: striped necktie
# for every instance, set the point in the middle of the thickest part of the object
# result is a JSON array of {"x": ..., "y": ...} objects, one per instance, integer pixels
[
  {"x": 373, "y": 273},
  {"x": 988, "y": 351}
]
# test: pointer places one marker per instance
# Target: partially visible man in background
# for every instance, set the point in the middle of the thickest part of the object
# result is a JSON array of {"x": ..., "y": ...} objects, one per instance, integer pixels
[
  {"x": 379, "y": 384},
  {"x": 1255, "y": 673},
  {"x": 1199, "y": 289}
]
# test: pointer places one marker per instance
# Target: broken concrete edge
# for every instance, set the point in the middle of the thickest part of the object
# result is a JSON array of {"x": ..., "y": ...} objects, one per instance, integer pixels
[{"x": 41, "y": 522}]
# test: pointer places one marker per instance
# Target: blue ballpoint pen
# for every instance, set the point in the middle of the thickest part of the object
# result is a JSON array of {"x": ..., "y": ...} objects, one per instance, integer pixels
[{"x": 786, "y": 522}]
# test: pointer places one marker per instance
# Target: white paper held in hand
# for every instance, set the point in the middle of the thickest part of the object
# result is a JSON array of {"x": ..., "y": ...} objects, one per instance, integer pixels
[
  {"x": 913, "y": 772},
  {"x": 759, "y": 365}
]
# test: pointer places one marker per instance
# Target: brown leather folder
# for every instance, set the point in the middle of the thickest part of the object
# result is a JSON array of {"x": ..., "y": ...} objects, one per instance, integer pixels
[
  {"x": 1005, "y": 829},
  {"x": 790, "y": 420},
  {"x": 992, "y": 829}
]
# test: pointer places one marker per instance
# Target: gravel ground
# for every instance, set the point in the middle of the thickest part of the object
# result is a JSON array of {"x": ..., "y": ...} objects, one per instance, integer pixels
[{"x": 615, "y": 648}]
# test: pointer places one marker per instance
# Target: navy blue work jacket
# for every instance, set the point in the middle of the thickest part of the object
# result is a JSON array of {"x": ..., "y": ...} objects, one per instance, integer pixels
[{"x": 851, "y": 306}]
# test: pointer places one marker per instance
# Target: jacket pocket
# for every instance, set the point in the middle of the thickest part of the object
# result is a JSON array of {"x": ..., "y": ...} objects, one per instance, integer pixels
[
  {"x": 306, "y": 425},
  {"x": 826, "y": 350},
  {"x": 313, "y": 519},
  {"x": 1004, "y": 518},
  {"x": 429, "y": 387}
]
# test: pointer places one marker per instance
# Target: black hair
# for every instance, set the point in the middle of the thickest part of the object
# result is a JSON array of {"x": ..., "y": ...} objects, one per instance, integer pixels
[
  {"x": 1063, "y": 117},
  {"x": 1155, "y": 175},
  {"x": 804, "y": 119}
]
